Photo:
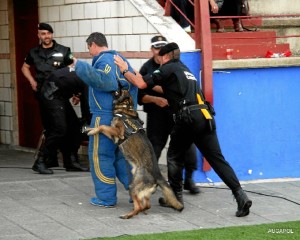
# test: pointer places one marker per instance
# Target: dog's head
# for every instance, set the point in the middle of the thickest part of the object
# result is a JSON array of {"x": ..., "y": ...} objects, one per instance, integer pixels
[{"x": 123, "y": 103}]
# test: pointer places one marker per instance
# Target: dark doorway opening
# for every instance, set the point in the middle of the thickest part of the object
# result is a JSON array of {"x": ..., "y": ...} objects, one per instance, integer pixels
[{"x": 26, "y": 21}]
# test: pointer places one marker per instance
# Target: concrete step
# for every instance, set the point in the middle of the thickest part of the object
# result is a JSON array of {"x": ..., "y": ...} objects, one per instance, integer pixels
[
  {"x": 249, "y": 23},
  {"x": 244, "y": 37},
  {"x": 244, "y": 51}
]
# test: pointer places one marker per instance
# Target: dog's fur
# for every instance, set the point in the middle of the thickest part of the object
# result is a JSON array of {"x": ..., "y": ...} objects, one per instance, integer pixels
[{"x": 139, "y": 152}]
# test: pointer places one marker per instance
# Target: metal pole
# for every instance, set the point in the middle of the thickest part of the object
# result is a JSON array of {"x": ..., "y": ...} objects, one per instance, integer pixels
[{"x": 203, "y": 41}]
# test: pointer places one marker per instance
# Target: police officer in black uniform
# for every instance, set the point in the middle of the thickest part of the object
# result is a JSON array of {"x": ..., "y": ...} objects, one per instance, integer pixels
[
  {"x": 194, "y": 123},
  {"x": 160, "y": 118},
  {"x": 60, "y": 86},
  {"x": 48, "y": 57}
]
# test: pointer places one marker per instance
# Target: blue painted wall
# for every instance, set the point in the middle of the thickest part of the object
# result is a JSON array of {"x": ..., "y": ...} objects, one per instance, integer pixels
[{"x": 258, "y": 117}]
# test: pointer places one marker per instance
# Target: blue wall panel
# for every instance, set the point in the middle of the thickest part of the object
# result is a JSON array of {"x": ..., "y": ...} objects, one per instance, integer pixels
[{"x": 257, "y": 118}]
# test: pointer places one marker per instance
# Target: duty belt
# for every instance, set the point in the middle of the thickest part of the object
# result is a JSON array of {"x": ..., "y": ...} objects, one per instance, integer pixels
[{"x": 186, "y": 110}]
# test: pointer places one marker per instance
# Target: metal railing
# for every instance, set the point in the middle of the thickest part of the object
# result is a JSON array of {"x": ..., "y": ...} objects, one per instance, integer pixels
[
  {"x": 202, "y": 34},
  {"x": 202, "y": 27}
]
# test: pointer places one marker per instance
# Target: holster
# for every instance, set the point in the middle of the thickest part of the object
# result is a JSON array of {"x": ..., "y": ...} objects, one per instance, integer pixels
[{"x": 210, "y": 108}]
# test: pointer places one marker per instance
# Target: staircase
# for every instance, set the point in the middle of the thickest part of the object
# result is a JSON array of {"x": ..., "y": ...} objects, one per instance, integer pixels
[{"x": 247, "y": 44}]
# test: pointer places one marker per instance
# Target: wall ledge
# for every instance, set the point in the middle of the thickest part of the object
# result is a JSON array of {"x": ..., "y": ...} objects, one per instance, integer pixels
[{"x": 256, "y": 63}]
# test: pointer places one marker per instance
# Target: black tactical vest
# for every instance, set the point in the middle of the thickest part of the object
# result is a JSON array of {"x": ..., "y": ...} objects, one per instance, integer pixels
[{"x": 58, "y": 57}]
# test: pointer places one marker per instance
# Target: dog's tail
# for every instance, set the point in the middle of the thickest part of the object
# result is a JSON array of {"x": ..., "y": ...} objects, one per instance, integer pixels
[{"x": 169, "y": 195}]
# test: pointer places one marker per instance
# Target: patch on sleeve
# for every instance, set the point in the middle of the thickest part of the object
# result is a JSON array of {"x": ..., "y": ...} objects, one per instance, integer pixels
[
  {"x": 107, "y": 69},
  {"x": 190, "y": 76}
]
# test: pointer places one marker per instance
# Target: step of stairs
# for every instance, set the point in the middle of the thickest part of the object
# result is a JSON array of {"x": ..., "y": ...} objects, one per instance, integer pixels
[
  {"x": 251, "y": 23},
  {"x": 244, "y": 37},
  {"x": 244, "y": 51},
  {"x": 246, "y": 44}
]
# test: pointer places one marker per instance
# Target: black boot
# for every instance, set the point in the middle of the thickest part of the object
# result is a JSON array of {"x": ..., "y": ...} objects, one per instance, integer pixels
[
  {"x": 162, "y": 201},
  {"x": 72, "y": 164},
  {"x": 244, "y": 203},
  {"x": 40, "y": 167},
  {"x": 189, "y": 184},
  {"x": 52, "y": 161}
]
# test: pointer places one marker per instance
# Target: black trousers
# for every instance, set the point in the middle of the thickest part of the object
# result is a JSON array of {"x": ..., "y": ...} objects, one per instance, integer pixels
[
  {"x": 231, "y": 8},
  {"x": 185, "y": 7},
  {"x": 199, "y": 132},
  {"x": 62, "y": 127},
  {"x": 159, "y": 126}
]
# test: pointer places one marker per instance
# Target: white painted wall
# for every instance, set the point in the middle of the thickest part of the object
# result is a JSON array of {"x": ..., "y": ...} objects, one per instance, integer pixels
[
  {"x": 264, "y": 7},
  {"x": 126, "y": 28},
  {"x": 6, "y": 110}
]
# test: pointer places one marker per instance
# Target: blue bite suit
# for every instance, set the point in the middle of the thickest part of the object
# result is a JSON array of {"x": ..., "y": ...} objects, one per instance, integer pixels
[{"x": 106, "y": 160}]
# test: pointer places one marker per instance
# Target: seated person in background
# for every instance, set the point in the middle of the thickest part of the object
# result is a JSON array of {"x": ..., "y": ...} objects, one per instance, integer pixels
[
  {"x": 227, "y": 8},
  {"x": 185, "y": 7}
]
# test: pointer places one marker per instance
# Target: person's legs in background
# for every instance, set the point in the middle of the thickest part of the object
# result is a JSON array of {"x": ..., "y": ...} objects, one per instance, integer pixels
[
  {"x": 72, "y": 141},
  {"x": 158, "y": 130},
  {"x": 177, "y": 16},
  {"x": 54, "y": 135},
  {"x": 190, "y": 165}
]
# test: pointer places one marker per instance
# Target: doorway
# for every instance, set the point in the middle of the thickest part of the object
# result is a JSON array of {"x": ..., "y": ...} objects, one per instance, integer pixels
[{"x": 26, "y": 21}]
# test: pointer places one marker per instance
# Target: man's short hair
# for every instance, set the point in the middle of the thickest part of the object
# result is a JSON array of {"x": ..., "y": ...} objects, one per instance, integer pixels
[{"x": 98, "y": 38}]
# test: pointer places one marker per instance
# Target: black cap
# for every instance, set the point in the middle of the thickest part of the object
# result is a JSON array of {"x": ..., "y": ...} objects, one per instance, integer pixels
[
  {"x": 158, "y": 41},
  {"x": 168, "y": 48},
  {"x": 45, "y": 26}
]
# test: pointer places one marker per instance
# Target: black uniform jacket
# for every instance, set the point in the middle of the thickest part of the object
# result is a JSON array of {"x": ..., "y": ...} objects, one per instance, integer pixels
[
  {"x": 47, "y": 60},
  {"x": 177, "y": 82}
]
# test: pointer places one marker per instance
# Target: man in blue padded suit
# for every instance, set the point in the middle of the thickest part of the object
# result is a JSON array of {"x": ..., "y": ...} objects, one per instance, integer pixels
[{"x": 103, "y": 78}]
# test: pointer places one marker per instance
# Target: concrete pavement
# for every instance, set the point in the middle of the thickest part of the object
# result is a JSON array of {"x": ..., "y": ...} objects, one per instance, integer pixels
[{"x": 35, "y": 206}]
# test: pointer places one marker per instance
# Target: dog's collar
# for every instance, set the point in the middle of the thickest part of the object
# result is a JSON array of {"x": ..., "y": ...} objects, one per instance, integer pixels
[{"x": 132, "y": 124}]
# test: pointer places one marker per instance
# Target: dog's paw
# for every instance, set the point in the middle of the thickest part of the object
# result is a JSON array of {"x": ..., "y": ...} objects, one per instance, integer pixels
[
  {"x": 91, "y": 131},
  {"x": 126, "y": 216}
]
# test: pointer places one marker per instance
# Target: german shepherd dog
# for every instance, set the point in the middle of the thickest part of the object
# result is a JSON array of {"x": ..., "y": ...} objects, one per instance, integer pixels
[{"x": 126, "y": 130}]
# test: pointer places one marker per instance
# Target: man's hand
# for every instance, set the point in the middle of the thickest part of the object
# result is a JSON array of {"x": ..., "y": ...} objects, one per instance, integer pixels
[
  {"x": 26, "y": 71},
  {"x": 158, "y": 89},
  {"x": 120, "y": 63},
  {"x": 74, "y": 61},
  {"x": 214, "y": 6},
  {"x": 161, "y": 102},
  {"x": 33, "y": 85},
  {"x": 76, "y": 99}
]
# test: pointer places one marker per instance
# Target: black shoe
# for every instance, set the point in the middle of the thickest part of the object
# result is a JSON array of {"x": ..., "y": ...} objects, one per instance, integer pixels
[
  {"x": 51, "y": 160},
  {"x": 50, "y": 163},
  {"x": 73, "y": 164},
  {"x": 244, "y": 203},
  {"x": 190, "y": 185},
  {"x": 76, "y": 167},
  {"x": 40, "y": 167}
]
